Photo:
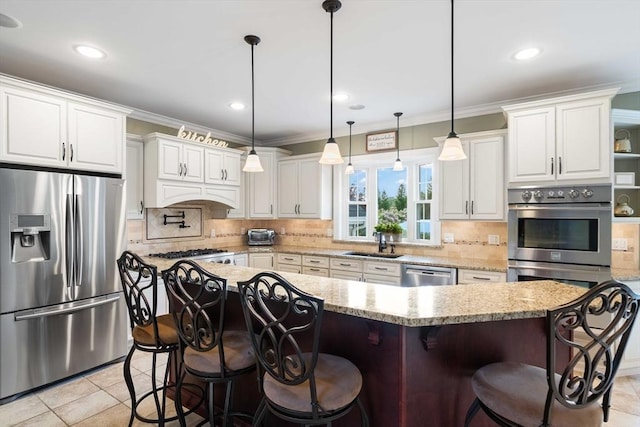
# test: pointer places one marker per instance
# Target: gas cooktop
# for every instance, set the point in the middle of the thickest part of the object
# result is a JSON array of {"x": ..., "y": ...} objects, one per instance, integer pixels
[{"x": 190, "y": 253}]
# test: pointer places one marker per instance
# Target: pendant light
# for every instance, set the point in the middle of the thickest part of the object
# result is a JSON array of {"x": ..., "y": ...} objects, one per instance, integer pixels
[
  {"x": 349, "y": 169},
  {"x": 452, "y": 149},
  {"x": 331, "y": 154},
  {"x": 397, "y": 165},
  {"x": 253, "y": 161}
]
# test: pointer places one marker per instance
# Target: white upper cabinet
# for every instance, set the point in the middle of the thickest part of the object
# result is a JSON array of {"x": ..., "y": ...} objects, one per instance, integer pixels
[
  {"x": 261, "y": 192},
  {"x": 179, "y": 161},
  {"x": 222, "y": 167},
  {"x": 304, "y": 188},
  {"x": 47, "y": 127},
  {"x": 474, "y": 188},
  {"x": 134, "y": 177},
  {"x": 175, "y": 171},
  {"x": 561, "y": 139}
]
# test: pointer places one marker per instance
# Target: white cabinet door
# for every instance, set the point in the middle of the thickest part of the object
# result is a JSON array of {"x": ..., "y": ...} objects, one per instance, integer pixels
[
  {"x": 309, "y": 188},
  {"x": 170, "y": 160},
  {"x": 34, "y": 128},
  {"x": 261, "y": 260},
  {"x": 134, "y": 177},
  {"x": 630, "y": 363},
  {"x": 532, "y": 145},
  {"x": 487, "y": 179},
  {"x": 288, "y": 188},
  {"x": 345, "y": 275},
  {"x": 477, "y": 276},
  {"x": 193, "y": 161},
  {"x": 474, "y": 188},
  {"x": 96, "y": 138},
  {"x": 582, "y": 133},
  {"x": 180, "y": 162},
  {"x": 241, "y": 260},
  {"x": 261, "y": 196},
  {"x": 222, "y": 167},
  {"x": 455, "y": 187},
  {"x": 304, "y": 188}
]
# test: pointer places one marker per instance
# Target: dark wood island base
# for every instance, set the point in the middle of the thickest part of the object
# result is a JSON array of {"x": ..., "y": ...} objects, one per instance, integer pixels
[{"x": 413, "y": 376}]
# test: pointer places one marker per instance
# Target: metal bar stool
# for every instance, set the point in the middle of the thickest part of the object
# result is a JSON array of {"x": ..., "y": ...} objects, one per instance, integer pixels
[
  {"x": 211, "y": 353},
  {"x": 151, "y": 333},
  {"x": 515, "y": 394},
  {"x": 309, "y": 388}
]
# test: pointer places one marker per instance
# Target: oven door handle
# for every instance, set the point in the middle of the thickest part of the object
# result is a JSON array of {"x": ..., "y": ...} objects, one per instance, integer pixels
[
  {"x": 550, "y": 268},
  {"x": 603, "y": 207}
]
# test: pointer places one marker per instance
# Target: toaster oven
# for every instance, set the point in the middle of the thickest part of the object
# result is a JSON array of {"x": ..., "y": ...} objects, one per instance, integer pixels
[{"x": 261, "y": 237}]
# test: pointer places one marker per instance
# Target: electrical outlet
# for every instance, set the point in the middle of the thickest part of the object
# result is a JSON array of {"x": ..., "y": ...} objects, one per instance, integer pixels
[
  {"x": 213, "y": 233},
  {"x": 283, "y": 231},
  {"x": 619, "y": 244},
  {"x": 494, "y": 239},
  {"x": 448, "y": 238},
  {"x": 243, "y": 230},
  {"x": 329, "y": 232}
]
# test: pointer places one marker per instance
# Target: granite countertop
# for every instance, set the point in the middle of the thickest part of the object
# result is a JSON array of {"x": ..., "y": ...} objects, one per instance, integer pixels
[
  {"x": 484, "y": 265},
  {"x": 421, "y": 306}
]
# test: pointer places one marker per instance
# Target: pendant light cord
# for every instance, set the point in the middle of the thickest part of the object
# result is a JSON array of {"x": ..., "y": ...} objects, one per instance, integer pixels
[
  {"x": 452, "y": 67},
  {"x": 253, "y": 104},
  {"x": 331, "y": 81},
  {"x": 398, "y": 135}
]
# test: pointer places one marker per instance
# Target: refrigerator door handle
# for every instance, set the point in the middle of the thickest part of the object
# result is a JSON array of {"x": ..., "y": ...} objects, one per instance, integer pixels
[
  {"x": 65, "y": 308},
  {"x": 69, "y": 246},
  {"x": 78, "y": 242}
]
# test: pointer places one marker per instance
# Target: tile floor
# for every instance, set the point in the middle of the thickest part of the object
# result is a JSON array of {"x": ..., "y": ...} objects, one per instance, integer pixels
[{"x": 100, "y": 399}]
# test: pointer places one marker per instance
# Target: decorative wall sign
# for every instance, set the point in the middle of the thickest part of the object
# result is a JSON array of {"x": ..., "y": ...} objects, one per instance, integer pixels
[
  {"x": 382, "y": 140},
  {"x": 193, "y": 136}
]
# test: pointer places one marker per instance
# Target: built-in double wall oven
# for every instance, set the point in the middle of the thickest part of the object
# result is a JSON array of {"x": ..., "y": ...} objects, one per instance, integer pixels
[{"x": 560, "y": 233}]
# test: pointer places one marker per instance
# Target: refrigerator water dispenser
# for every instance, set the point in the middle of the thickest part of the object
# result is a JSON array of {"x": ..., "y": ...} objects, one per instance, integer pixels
[{"x": 30, "y": 237}]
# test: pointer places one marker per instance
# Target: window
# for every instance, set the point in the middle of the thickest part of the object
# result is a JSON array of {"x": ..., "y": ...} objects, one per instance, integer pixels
[{"x": 376, "y": 193}]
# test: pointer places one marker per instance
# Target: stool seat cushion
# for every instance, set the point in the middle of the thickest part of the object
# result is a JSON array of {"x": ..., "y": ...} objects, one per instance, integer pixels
[
  {"x": 338, "y": 383},
  {"x": 166, "y": 331},
  {"x": 518, "y": 392},
  {"x": 238, "y": 355}
]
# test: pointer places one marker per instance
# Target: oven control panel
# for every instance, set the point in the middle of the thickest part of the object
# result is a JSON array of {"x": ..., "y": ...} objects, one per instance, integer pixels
[{"x": 568, "y": 194}]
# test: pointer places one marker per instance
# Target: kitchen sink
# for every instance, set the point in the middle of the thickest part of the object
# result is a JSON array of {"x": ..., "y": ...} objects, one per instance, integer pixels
[{"x": 374, "y": 254}]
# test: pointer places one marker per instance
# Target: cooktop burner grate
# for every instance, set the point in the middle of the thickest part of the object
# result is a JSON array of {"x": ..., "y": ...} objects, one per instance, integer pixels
[{"x": 188, "y": 253}]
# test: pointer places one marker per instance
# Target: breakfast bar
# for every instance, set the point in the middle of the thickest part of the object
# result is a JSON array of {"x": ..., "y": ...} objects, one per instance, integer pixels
[{"x": 417, "y": 348}]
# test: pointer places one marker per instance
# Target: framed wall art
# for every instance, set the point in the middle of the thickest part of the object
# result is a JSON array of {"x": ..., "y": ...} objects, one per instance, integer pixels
[{"x": 380, "y": 141}]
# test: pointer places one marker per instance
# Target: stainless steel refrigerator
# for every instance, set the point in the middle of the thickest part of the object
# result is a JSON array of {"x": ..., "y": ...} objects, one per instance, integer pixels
[{"x": 61, "y": 305}]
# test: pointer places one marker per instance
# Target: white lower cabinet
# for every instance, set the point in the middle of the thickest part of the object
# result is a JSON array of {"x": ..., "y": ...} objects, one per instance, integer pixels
[
  {"x": 261, "y": 260},
  {"x": 384, "y": 273},
  {"x": 346, "y": 269},
  {"x": 291, "y": 263},
  {"x": 315, "y": 265},
  {"x": 241, "y": 260},
  {"x": 478, "y": 276},
  {"x": 630, "y": 363}
]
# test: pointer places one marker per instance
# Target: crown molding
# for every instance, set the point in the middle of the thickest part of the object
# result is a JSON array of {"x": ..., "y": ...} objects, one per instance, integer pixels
[{"x": 159, "y": 119}]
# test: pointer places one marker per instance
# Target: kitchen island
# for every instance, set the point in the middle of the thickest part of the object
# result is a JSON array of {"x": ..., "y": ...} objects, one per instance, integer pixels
[{"x": 416, "y": 347}]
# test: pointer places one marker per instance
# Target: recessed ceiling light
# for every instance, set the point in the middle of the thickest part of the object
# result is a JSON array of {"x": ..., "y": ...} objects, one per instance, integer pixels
[
  {"x": 89, "y": 51},
  {"x": 356, "y": 107},
  {"x": 7, "y": 21},
  {"x": 528, "y": 53},
  {"x": 340, "y": 97},
  {"x": 237, "y": 106}
]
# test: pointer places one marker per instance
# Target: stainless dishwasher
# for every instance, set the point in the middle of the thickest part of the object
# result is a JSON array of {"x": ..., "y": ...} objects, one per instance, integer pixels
[{"x": 422, "y": 275}]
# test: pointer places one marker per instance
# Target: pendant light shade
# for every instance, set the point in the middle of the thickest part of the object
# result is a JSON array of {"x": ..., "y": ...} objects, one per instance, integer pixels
[
  {"x": 397, "y": 165},
  {"x": 331, "y": 154},
  {"x": 452, "y": 148},
  {"x": 349, "y": 169},
  {"x": 253, "y": 161}
]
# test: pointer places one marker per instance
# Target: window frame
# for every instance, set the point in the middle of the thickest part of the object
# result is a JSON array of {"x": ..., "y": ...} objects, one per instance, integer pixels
[{"x": 412, "y": 159}]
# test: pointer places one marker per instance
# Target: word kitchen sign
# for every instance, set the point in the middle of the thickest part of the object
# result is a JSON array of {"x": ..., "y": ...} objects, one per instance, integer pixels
[{"x": 193, "y": 136}]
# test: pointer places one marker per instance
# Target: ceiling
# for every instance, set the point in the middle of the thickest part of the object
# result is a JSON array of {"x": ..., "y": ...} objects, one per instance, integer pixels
[{"x": 185, "y": 61}]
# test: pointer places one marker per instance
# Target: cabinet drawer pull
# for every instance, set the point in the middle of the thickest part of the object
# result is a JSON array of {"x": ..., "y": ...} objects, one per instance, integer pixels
[
  {"x": 288, "y": 259},
  {"x": 345, "y": 264},
  {"x": 64, "y": 151},
  {"x": 552, "y": 166},
  {"x": 71, "y": 152},
  {"x": 381, "y": 268},
  {"x": 481, "y": 278},
  {"x": 315, "y": 261},
  {"x": 559, "y": 165},
  {"x": 472, "y": 207},
  {"x": 314, "y": 269},
  {"x": 466, "y": 207}
]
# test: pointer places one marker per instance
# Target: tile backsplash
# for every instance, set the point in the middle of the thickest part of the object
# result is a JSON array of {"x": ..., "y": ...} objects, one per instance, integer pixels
[{"x": 470, "y": 238}]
